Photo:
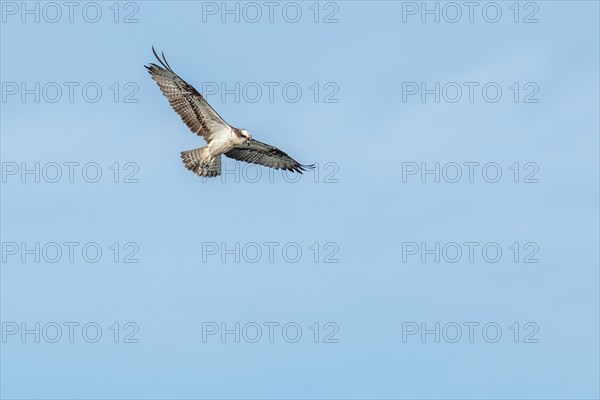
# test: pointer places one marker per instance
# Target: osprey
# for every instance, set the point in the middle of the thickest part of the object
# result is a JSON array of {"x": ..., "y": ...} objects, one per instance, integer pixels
[{"x": 221, "y": 138}]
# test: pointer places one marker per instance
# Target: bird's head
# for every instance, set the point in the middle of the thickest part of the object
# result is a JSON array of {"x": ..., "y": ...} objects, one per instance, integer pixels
[{"x": 244, "y": 134}]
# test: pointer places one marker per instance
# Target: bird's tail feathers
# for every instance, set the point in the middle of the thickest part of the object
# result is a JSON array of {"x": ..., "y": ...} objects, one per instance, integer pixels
[{"x": 197, "y": 161}]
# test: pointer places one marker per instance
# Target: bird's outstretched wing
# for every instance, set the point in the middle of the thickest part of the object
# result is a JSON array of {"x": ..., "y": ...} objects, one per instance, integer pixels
[
  {"x": 191, "y": 106},
  {"x": 256, "y": 152}
]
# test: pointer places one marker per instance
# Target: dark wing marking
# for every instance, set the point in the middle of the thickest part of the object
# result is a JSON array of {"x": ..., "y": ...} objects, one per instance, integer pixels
[
  {"x": 270, "y": 156},
  {"x": 191, "y": 106}
]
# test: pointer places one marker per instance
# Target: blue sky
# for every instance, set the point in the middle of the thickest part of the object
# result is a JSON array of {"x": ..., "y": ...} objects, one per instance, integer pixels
[{"x": 349, "y": 250}]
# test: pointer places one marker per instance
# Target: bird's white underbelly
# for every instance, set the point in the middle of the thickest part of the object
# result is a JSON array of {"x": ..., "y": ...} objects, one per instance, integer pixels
[
  {"x": 221, "y": 144},
  {"x": 217, "y": 148}
]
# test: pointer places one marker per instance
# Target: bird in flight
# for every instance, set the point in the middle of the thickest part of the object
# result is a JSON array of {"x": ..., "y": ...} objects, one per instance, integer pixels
[{"x": 221, "y": 138}]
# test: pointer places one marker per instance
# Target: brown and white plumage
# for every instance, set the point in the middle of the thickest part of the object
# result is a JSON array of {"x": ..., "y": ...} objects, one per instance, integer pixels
[
  {"x": 221, "y": 138},
  {"x": 267, "y": 155}
]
